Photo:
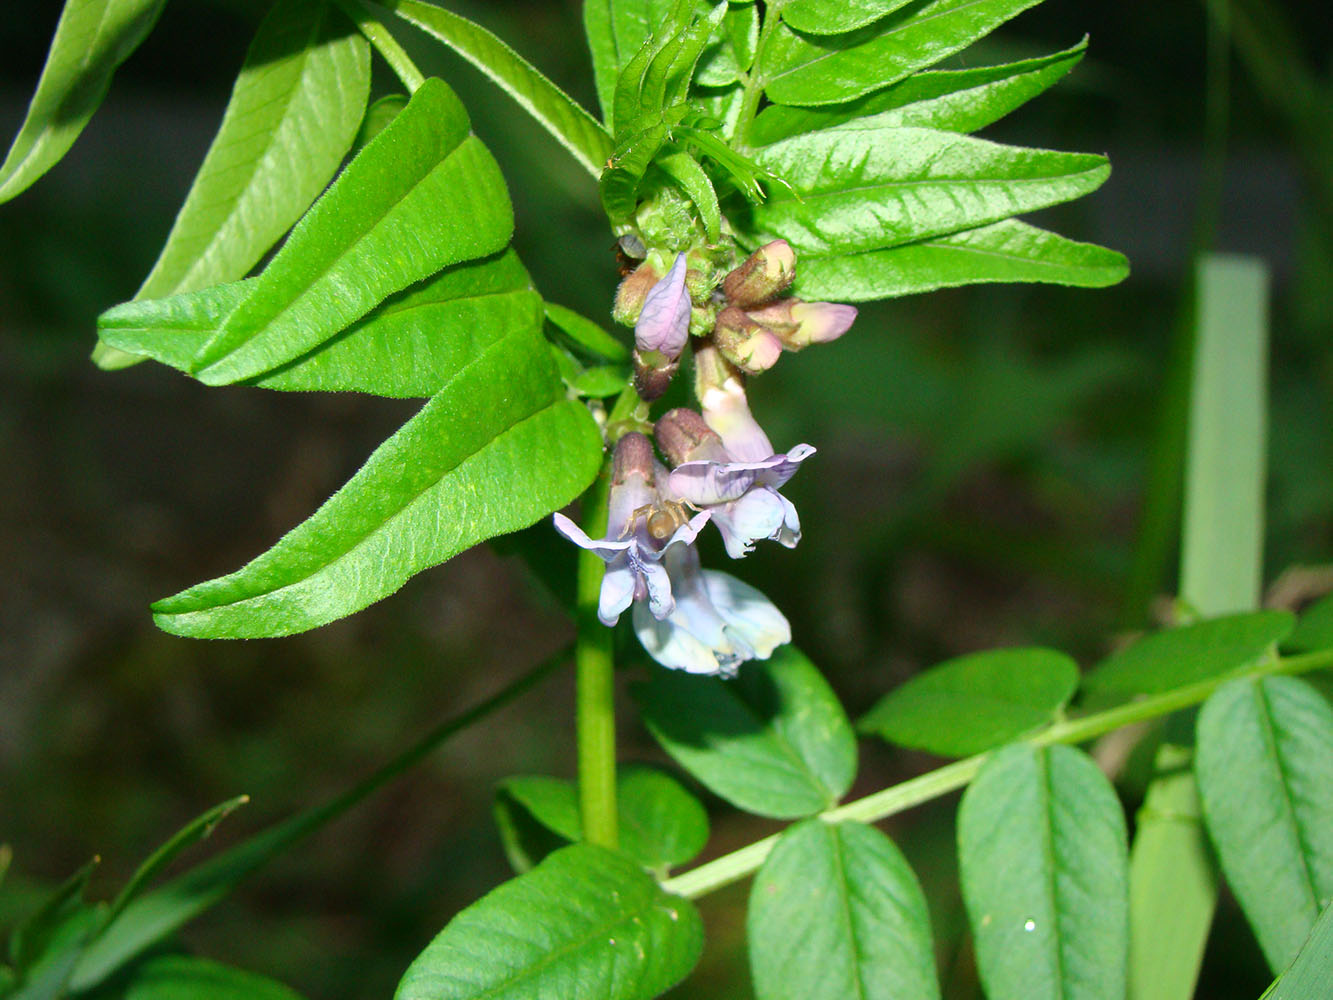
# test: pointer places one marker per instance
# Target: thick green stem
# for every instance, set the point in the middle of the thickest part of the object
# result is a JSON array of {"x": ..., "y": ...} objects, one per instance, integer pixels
[
  {"x": 880, "y": 805},
  {"x": 595, "y": 670},
  {"x": 387, "y": 46}
]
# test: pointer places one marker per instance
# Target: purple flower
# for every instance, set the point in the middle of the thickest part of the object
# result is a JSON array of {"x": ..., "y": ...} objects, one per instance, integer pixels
[
  {"x": 717, "y": 624},
  {"x": 742, "y": 495},
  {"x": 641, "y": 530}
]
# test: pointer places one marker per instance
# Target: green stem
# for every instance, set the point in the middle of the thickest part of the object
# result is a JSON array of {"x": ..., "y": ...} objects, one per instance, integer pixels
[
  {"x": 754, "y": 84},
  {"x": 880, "y": 805},
  {"x": 387, "y": 46},
  {"x": 595, "y": 669}
]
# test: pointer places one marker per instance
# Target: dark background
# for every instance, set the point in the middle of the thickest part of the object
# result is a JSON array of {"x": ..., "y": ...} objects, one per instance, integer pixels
[{"x": 983, "y": 461}]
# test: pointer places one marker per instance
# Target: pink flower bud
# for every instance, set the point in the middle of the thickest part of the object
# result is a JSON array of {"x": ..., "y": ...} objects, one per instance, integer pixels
[
  {"x": 820, "y": 322},
  {"x": 664, "y": 322},
  {"x": 744, "y": 342},
  {"x": 632, "y": 292},
  {"x": 765, "y": 273}
]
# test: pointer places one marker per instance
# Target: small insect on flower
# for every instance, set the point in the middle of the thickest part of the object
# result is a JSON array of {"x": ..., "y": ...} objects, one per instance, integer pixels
[{"x": 662, "y": 518}]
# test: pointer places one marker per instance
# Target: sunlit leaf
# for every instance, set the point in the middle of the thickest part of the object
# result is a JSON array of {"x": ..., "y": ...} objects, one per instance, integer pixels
[
  {"x": 292, "y": 116},
  {"x": 1007, "y": 251},
  {"x": 1043, "y": 864},
  {"x": 497, "y": 448},
  {"x": 954, "y": 100},
  {"x": 586, "y": 922},
  {"x": 975, "y": 702},
  {"x": 92, "y": 38},
  {"x": 1265, "y": 767},
  {"x": 868, "y": 188},
  {"x": 557, "y": 112},
  {"x": 836, "y": 912},
  {"x": 731, "y": 54},
  {"x": 826, "y": 70},
  {"x": 832, "y": 17},
  {"x": 774, "y": 741}
]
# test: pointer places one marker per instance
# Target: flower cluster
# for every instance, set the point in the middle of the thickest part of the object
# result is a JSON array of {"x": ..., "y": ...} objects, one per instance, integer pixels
[{"x": 722, "y": 467}]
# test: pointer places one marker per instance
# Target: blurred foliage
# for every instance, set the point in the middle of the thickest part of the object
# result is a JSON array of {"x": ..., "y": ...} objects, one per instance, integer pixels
[{"x": 981, "y": 466}]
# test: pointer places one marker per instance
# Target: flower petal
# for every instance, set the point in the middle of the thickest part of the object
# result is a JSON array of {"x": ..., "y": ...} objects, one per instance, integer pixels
[
  {"x": 673, "y": 646},
  {"x": 750, "y": 616},
  {"x": 607, "y": 548},
  {"x": 664, "y": 323},
  {"x": 618, "y": 586}
]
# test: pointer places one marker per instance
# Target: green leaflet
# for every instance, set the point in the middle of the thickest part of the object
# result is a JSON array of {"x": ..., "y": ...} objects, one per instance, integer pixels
[
  {"x": 1043, "y": 864},
  {"x": 1264, "y": 764},
  {"x": 724, "y": 60},
  {"x": 656, "y": 81},
  {"x": 956, "y": 100},
  {"x": 774, "y": 741},
  {"x": 616, "y": 31},
  {"x": 586, "y": 922},
  {"x": 292, "y": 117},
  {"x": 827, "y": 70},
  {"x": 1180, "y": 656},
  {"x": 408, "y": 346},
  {"x": 973, "y": 703},
  {"x": 42, "y": 931},
  {"x": 496, "y": 449},
  {"x": 1311, "y": 975},
  {"x": 557, "y": 112},
  {"x": 836, "y": 912},
  {"x": 1315, "y": 629},
  {"x": 424, "y": 194},
  {"x": 832, "y": 17},
  {"x": 174, "y": 977},
  {"x": 869, "y": 188},
  {"x": 1002, "y": 251},
  {"x": 92, "y": 38},
  {"x": 661, "y": 824},
  {"x": 588, "y": 335}
]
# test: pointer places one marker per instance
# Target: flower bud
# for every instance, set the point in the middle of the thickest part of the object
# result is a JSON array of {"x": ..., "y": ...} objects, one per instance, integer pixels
[
  {"x": 632, "y": 293},
  {"x": 744, "y": 342},
  {"x": 652, "y": 374},
  {"x": 664, "y": 322},
  {"x": 634, "y": 457},
  {"x": 684, "y": 437},
  {"x": 765, "y": 273},
  {"x": 820, "y": 322}
]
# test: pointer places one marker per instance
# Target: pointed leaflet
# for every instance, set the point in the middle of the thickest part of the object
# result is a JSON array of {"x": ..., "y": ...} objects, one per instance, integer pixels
[
  {"x": 1002, "y": 251},
  {"x": 424, "y": 194},
  {"x": 586, "y": 922},
  {"x": 827, "y": 70},
  {"x": 956, "y": 100},
  {"x": 836, "y": 912},
  {"x": 1311, "y": 974},
  {"x": 557, "y": 112},
  {"x": 1315, "y": 629},
  {"x": 92, "y": 38},
  {"x": 588, "y": 335},
  {"x": 174, "y": 977},
  {"x": 832, "y": 17},
  {"x": 730, "y": 56},
  {"x": 1186, "y": 655},
  {"x": 973, "y": 703},
  {"x": 867, "y": 188},
  {"x": 497, "y": 448},
  {"x": 408, "y": 346},
  {"x": 1043, "y": 864},
  {"x": 1264, "y": 763},
  {"x": 292, "y": 116},
  {"x": 774, "y": 741}
]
